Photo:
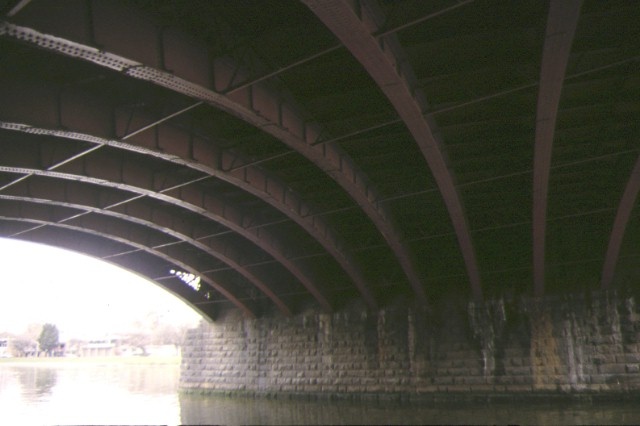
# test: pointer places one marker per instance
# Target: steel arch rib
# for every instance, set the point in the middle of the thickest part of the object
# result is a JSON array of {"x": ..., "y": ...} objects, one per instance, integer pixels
[
  {"x": 383, "y": 59},
  {"x": 123, "y": 240},
  {"x": 561, "y": 26},
  {"x": 205, "y": 206},
  {"x": 257, "y": 106},
  {"x": 623, "y": 214},
  {"x": 67, "y": 198},
  {"x": 312, "y": 226},
  {"x": 151, "y": 267},
  {"x": 175, "y": 142}
]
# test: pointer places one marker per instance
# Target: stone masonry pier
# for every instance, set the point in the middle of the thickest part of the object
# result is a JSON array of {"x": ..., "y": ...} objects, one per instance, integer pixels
[{"x": 579, "y": 345}]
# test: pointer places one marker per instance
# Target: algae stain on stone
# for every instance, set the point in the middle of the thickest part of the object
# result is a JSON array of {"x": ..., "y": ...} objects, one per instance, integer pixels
[
  {"x": 545, "y": 360},
  {"x": 487, "y": 323}
]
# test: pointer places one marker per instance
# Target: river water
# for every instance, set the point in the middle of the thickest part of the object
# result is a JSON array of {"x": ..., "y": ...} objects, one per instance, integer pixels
[{"x": 108, "y": 393}]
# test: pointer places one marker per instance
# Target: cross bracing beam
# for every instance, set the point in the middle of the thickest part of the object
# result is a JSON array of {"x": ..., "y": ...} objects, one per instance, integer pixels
[
  {"x": 174, "y": 145},
  {"x": 561, "y": 26},
  {"x": 385, "y": 61},
  {"x": 436, "y": 110},
  {"x": 148, "y": 268},
  {"x": 80, "y": 197},
  {"x": 133, "y": 178},
  {"x": 315, "y": 56},
  {"x": 194, "y": 75}
]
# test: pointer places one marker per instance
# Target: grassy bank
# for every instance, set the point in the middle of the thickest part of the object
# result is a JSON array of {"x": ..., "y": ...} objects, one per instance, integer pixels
[{"x": 138, "y": 360}]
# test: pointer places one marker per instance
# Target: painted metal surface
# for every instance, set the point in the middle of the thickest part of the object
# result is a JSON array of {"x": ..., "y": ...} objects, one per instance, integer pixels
[
  {"x": 175, "y": 145},
  {"x": 76, "y": 196},
  {"x": 201, "y": 126},
  {"x": 561, "y": 26},
  {"x": 623, "y": 214},
  {"x": 144, "y": 267},
  {"x": 132, "y": 178},
  {"x": 383, "y": 59},
  {"x": 256, "y": 105},
  {"x": 123, "y": 235}
]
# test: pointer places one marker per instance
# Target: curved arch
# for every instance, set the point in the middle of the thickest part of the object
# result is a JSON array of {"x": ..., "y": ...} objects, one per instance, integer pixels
[
  {"x": 147, "y": 267},
  {"x": 174, "y": 145},
  {"x": 71, "y": 195},
  {"x": 561, "y": 26},
  {"x": 126, "y": 240},
  {"x": 619, "y": 226},
  {"x": 134, "y": 179},
  {"x": 256, "y": 105},
  {"x": 383, "y": 59}
]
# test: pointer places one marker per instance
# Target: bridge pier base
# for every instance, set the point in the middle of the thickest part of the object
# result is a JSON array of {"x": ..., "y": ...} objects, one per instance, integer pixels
[{"x": 580, "y": 345}]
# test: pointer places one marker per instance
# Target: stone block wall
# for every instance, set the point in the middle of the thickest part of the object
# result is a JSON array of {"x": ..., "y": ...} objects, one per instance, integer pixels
[{"x": 582, "y": 345}]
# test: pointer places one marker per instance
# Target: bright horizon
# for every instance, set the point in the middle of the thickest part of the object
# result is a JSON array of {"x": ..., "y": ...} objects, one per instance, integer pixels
[{"x": 83, "y": 296}]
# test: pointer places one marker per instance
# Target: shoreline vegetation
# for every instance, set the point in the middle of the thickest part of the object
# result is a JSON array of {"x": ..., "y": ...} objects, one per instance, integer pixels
[{"x": 52, "y": 361}]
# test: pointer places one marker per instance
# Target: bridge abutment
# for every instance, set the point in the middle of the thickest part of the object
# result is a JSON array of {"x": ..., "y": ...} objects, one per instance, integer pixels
[{"x": 570, "y": 345}]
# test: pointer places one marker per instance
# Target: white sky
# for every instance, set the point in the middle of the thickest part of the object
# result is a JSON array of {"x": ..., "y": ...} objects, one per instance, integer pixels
[{"x": 84, "y": 297}]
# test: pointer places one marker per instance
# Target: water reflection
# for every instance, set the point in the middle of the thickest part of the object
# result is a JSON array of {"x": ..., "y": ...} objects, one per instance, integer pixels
[
  {"x": 223, "y": 410},
  {"x": 89, "y": 393},
  {"x": 40, "y": 381},
  {"x": 116, "y": 393}
]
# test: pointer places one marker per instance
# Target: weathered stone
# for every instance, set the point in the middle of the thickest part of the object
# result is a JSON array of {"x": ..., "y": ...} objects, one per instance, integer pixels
[
  {"x": 612, "y": 369},
  {"x": 633, "y": 368},
  {"x": 563, "y": 345}
]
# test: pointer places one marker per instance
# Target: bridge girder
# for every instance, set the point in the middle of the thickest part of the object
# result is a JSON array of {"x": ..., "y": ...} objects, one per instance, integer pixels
[{"x": 317, "y": 168}]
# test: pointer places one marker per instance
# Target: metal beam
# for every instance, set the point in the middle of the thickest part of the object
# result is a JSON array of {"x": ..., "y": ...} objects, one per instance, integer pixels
[
  {"x": 257, "y": 105},
  {"x": 385, "y": 61},
  {"x": 561, "y": 26},
  {"x": 623, "y": 215},
  {"x": 177, "y": 146},
  {"x": 436, "y": 110},
  {"x": 137, "y": 180},
  {"x": 312, "y": 224},
  {"x": 18, "y": 6},
  {"x": 74, "y": 195},
  {"x": 328, "y": 50},
  {"x": 24, "y": 214}
]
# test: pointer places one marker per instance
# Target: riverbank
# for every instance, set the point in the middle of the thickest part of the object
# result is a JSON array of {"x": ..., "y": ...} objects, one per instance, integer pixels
[{"x": 136, "y": 360}]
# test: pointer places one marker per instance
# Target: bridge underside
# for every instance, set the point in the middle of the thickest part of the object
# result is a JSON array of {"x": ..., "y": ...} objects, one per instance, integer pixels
[{"x": 267, "y": 155}]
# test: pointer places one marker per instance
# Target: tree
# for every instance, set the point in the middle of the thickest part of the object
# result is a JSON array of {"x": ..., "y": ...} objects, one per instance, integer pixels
[
  {"x": 48, "y": 339},
  {"x": 23, "y": 346}
]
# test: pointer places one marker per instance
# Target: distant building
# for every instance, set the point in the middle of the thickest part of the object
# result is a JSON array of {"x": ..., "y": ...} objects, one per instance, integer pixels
[
  {"x": 5, "y": 349},
  {"x": 59, "y": 350},
  {"x": 162, "y": 350},
  {"x": 100, "y": 347},
  {"x": 109, "y": 346},
  {"x": 26, "y": 348}
]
